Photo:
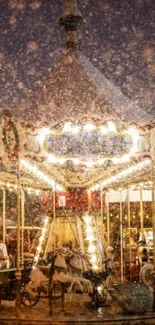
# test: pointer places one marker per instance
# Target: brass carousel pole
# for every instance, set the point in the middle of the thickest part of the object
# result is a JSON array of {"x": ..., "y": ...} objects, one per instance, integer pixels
[
  {"x": 4, "y": 215},
  {"x": 121, "y": 235},
  {"x": 18, "y": 263},
  {"x": 22, "y": 224},
  {"x": 108, "y": 221},
  {"x": 129, "y": 227},
  {"x": 153, "y": 223},
  {"x": 54, "y": 211},
  {"x": 101, "y": 202},
  {"x": 141, "y": 213},
  {"x": 18, "y": 217}
]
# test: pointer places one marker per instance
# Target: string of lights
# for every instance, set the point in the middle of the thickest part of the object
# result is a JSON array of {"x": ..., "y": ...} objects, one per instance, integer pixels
[
  {"x": 91, "y": 238},
  {"x": 121, "y": 175},
  {"x": 42, "y": 176},
  {"x": 41, "y": 240}
]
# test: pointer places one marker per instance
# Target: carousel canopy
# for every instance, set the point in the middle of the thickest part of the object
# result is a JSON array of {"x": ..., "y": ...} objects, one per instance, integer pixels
[
  {"x": 74, "y": 126},
  {"x": 74, "y": 89}
]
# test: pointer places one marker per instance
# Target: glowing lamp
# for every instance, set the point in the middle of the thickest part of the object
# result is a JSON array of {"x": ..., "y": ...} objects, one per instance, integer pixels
[{"x": 91, "y": 249}]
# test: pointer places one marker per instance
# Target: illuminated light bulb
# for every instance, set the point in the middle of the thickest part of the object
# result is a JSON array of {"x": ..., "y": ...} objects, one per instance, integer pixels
[
  {"x": 87, "y": 219},
  {"x": 100, "y": 161},
  {"x": 36, "y": 259},
  {"x": 76, "y": 161},
  {"x": 51, "y": 159},
  {"x": 135, "y": 144},
  {"x": 93, "y": 258},
  {"x": 103, "y": 129},
  {"x": 89, "y": 127},
  {"x": 116, "y": 160},
  {"x": 132, "y": 131},
  {"x": 111, "y": 126},
  {"x": 147, "y": 161},
  {"x": 45, "y": 131},
  {"x": 125, "y": 158},
  {"x": 88, "y": 229},
  {"x": 39, "y": 249},
  {"x": 43, "y": 230},
  {"x": 89, "y": 163},
  {"x": 91, "y": 249},
  {"x": 75, "y": 129},
  {"x": 99, "y": 288},
  {"x": 61, "y": 160},
  {"x": 59, "y": 188},
  {"x": 46, "y": 221},
  {"x": 8, "y": 184},
  {"x": 97, "y": 186},
  {"x": 41, "y": 136},
  {"x": 41, "y": 238},
  {"x": 90, "y": 238},
  {"x": 67, "y": 127},
  {"x": 95, "y": 267}
]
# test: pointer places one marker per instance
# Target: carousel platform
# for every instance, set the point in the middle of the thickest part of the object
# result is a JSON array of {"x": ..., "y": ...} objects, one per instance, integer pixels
[{"x": 74, "y": 313}]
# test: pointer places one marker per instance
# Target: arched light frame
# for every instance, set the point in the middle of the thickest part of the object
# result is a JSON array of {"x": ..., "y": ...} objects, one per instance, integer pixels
[{"x": 105, "y": 129}]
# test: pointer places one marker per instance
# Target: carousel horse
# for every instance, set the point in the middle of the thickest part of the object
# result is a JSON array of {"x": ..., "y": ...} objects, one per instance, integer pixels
[
  {"x": 60, "y": 270},
  {"x": 38, "y": 279},
  {"x": 76, "y": 268},
  {"x": 60, "y": 274}
]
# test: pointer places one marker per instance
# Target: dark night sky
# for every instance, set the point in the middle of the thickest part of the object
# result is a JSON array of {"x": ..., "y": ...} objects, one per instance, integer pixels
[{"x": 118, "y": 37}]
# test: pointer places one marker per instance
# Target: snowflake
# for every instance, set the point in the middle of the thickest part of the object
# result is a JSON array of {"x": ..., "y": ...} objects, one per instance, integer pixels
[
  {"x": 20, "y": 85},
  {"x": 12, "y": 20},
  {"x": 35, "y": 5},
  {"x": 32, "y": 46},
  {"x": 17, "y": 4}
]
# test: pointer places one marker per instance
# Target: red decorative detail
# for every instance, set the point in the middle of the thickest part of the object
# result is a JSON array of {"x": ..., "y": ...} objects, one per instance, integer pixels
[{"x": 76, "y": 200}]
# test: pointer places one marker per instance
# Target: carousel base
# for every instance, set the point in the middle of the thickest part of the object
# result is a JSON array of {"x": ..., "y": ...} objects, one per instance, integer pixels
[{"x": 74, "y": 313}]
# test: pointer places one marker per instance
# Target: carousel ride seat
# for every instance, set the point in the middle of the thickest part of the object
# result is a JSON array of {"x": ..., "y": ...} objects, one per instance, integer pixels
[{"x": 133, "y": 298}]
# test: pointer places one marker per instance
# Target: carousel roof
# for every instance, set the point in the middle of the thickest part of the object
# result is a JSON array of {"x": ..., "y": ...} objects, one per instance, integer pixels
[{"x": 74, "y": 89}]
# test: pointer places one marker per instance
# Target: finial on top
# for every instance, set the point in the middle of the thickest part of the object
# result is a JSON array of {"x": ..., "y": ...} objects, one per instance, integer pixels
[{"x": 71, "y": 20}]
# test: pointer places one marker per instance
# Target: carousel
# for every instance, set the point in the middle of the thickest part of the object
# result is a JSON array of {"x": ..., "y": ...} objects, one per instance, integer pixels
[{"x": 77, "y": 192}]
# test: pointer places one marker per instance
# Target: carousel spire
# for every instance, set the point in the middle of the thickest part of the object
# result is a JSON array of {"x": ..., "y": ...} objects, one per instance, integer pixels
[{"x": 71, "y": 20}]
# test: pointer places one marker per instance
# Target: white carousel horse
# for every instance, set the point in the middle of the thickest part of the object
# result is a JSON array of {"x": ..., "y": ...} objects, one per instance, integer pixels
[
  {"x": 38, "y": 279},
  {"x": 76, "y": 267},
  {"x": 60, "y": 274}
]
